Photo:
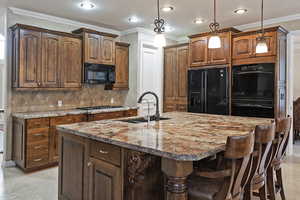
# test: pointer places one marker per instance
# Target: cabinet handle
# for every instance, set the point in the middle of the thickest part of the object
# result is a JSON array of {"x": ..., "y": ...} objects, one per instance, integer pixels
[
  {"x": 103, "y": 152},
  {"x": 89, "y": 164},
  {"x": 38, "y": 134},
  {"x": 38, "y": 147},
  {"x": 38, "y": 160}
]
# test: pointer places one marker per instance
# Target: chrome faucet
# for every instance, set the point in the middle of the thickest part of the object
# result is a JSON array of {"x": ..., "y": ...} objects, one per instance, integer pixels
[{"x": 157, "y": 115}]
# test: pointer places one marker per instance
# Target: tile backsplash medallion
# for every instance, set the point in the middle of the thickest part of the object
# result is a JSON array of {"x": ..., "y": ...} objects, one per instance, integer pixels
[{"x": 89, "y": 95}]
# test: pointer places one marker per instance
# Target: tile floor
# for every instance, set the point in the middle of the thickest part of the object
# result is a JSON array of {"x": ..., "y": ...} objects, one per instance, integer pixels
[{"x": 42, "y": 185}]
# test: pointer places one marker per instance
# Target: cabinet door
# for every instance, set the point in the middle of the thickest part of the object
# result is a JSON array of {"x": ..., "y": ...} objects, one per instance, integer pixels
[
  {"x": 122, "y": 67},
  {"x": 220, "y": 55},
  {"x": 73, "y": 167},
  {"x": 71, "y": 63},
  {"x": 92, "y": 48},
  {"x": 30, "y": 59},
  {"x": 50, "y": 60},
  {"x": 198, "y": 52},
  {"x": 105, "y": 181},
  {"x": 182, "y": 68},
  {"x": 170, "y": 78},
  {"x": 242, "y": 47},
  {"x": 108, "y": 51},
  {"x": 271, "y": 43}
]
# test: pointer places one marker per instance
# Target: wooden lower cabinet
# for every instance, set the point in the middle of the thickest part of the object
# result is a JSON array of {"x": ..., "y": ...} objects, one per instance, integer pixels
[
  {"x": 35, "y": 141},
  {"x": 105, "y": 181}
]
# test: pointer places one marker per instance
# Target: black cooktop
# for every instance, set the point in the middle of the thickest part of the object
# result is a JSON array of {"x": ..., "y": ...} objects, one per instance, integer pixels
[{"x": 98, "y": 107}]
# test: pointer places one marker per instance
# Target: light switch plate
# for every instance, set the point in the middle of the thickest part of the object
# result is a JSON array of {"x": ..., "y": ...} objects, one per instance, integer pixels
[{"x": 59, "y": 103}]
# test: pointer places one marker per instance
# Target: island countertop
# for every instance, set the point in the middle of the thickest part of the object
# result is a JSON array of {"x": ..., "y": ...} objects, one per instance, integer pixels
[{"x": 184, "y": 137}]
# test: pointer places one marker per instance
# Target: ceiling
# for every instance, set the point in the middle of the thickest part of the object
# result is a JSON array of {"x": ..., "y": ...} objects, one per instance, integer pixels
[{"x": 115, "y": 13}]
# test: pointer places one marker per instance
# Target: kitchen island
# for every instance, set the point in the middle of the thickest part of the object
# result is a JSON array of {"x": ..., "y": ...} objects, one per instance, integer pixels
[{"x": 116, "y": 160}]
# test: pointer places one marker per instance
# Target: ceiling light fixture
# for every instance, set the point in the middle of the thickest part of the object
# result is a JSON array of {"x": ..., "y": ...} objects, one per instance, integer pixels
[
  {"x": 87, "y": 5},
  {"x": 160, "y": 40},
  {"x": 133, "y": 19},
  {"x": 167, "y": 9},
  {"x": 240, "y": 11},
  {"x": 198, "y": 21},
  {"x": 215, "y": 40},
  {"x": 261, "y": 46}
]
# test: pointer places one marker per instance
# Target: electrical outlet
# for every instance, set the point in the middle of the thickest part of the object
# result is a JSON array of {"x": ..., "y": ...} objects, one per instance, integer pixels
[
  {"x": 59, "y": 103},
  {"x": 112, "y": 101}
]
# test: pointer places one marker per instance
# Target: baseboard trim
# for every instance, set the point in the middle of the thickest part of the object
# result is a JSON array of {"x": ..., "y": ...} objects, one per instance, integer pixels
[{"x": 7, "y": 164}]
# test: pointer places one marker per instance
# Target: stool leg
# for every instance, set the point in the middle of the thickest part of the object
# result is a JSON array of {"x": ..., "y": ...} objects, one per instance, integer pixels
[
  {"x": 280, "y": 182},
  {"x": 271, "y": 183},
  {"x": 248, "y": 195}
]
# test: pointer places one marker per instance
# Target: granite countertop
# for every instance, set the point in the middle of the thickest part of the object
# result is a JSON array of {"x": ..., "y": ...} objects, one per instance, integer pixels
[
  {"x": 57, "y": 113},
  {"x": 185, "y": 137}
]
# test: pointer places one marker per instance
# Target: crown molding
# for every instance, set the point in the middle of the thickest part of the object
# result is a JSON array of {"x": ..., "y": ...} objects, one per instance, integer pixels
[
  {"x": 60, "y": 20},
  {"x": 268, "y": 22}
]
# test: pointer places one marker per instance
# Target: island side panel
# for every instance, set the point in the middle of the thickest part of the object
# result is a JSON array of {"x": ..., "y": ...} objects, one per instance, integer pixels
[{"x": 177, "y": 173}]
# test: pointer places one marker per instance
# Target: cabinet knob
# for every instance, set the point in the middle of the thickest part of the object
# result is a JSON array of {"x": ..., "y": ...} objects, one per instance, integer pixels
[{"x": 89, "y": 164}]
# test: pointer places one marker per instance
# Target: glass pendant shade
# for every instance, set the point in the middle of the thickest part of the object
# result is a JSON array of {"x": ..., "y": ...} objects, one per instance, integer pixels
[
  {"x": 214, "y": 42},
  {"x": 159, "y": 40},
  {"x": 261, "y": 47}
]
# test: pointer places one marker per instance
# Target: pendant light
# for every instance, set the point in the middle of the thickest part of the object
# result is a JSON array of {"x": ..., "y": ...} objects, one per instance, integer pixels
[
  {"x": 261, "y": 46},
  {"x": 215, "y": 40},
  {"x": 160, "y": 40}
]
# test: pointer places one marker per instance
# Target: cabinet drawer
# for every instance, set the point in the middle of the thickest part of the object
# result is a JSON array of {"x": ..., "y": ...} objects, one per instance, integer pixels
[
  {"x": 131, "y": 113},
  {"x": 182, "y": 107},
  {"x": 106, "y": 152},
  {"x": 37, "y": 123},
  {"x": 37, "y": 135},
  {"x": 108, "y": 115},
  {"x": 79, "y": 118},
  {"x": 37, "y": 160},
  {"x": 61, "y": 120},
  {"x": 169, "y": 107},
  {"x": 38, "y": 148}
]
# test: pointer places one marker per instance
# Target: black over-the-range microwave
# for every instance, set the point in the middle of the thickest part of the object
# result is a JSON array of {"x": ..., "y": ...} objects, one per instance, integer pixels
[{"x": 99, "y": 74}]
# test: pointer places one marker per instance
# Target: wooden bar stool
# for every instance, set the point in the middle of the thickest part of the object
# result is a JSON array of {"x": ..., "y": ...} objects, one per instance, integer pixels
[
  {"x": 226, "y": 183},
  {"x": 279, "y": 147},
  {"x": 264, "y": 136}
]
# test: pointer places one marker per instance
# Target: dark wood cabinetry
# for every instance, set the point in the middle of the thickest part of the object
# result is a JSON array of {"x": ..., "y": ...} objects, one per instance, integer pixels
[
  {"x": 175, "y": 78},
  {"x": 201, "y": 55},
  {"x": 45, "y": 59},
  {"x": 122, "y": 66},
  {"x": 99, "y": 48},
  {"x": 35, "y": 141}
]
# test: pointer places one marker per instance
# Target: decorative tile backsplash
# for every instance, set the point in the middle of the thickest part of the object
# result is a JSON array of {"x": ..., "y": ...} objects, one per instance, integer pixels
[{"x": 90, "y": 95}]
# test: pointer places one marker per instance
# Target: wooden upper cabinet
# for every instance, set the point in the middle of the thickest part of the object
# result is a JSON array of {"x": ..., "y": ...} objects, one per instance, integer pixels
[
  {"x": 30, "y": 59},
  {"x": 71, "y": 62},
  {"x": 220, "y": 55},
  {"x": 242, "y": 47},
  {"x": 92, "y": 48},
  {"x": 169, "y": 73},
  {"x": 41, "y": 58},
  {"x": 198, "y": 51},
  {"x": 50, "y": 60},
  {"x": 99, "y": 47},
  {"x": 108, "y": 51},
  {"x": 122, "y": 66},
  {"x": 182, "y": 68}
]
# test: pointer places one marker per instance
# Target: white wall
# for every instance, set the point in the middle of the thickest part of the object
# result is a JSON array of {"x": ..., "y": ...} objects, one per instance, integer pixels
[{"x": 296, "y": 63}]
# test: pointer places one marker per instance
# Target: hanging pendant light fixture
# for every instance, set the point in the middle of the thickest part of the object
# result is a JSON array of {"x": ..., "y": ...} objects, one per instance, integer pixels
[
  {"x": 160, "y": 40},
  {"x": 261, "y": 46},
  {"x": 215, "y": 40}
]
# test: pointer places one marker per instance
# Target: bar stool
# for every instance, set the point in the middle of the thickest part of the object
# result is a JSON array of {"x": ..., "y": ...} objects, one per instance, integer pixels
[
  {"x": 226, "y": 183},
  {"x": 264, "y": 136},
  {"x": 280, "y": 144}
]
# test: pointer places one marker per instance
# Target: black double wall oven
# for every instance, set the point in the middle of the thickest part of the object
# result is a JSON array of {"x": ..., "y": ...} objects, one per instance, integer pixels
[{"x": 253, "y": 90}]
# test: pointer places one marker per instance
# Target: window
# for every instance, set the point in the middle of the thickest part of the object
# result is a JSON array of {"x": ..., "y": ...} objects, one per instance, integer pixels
[{"x": 2, "y": 47}]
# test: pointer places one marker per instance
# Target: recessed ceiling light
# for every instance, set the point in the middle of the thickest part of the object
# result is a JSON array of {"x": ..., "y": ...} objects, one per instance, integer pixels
[
  {"x": 198, "y": 21},
  {"x": 133, "y": 19},
  {"x": 240, "y": 11},
  {"x": 167, "y": 9},
  {"x": 87, "y": 5}
]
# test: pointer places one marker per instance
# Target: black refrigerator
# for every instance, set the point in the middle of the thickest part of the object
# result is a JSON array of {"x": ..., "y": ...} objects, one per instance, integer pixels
[{"x": 208, "y": 91}]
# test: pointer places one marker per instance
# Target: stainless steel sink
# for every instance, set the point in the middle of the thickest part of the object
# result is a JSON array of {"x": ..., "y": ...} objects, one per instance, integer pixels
[{"x": 142, "y": 119}]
